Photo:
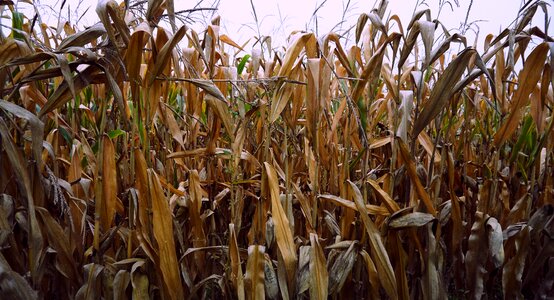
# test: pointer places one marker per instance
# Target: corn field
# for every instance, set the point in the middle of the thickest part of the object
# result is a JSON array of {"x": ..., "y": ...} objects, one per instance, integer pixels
[{"x": 141, "y": 159}]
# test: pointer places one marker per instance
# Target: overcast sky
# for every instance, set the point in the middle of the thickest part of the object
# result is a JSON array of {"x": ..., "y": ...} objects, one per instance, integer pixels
[
  {"x": 297, "y": 14},
  {"x": 277, "y": 18}
]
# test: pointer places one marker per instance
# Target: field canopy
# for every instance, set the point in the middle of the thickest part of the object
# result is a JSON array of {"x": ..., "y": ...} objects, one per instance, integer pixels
[{"x": 149, "y": 161}]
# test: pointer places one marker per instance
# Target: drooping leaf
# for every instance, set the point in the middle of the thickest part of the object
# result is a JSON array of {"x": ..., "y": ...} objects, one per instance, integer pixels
[
  {"x": 319, "y": 277},
  {"x": 442, "y": 92},
  {"x": 163, "y": 233},
  {"x": 283, "y": 234},
  {"x": 415, "y": 219},
  {"x": 529, "y": 77},
  {"x": 254, "y": 277},
  {"x": 380, "y": 255}
]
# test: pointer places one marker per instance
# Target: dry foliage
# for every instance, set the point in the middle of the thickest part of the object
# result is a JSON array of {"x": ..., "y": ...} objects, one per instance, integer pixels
[{"x": 137, "y": 161}]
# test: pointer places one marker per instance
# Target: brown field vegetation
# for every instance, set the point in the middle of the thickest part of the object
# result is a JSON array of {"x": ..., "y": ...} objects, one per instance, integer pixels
[{"x": 148, "y": 161}]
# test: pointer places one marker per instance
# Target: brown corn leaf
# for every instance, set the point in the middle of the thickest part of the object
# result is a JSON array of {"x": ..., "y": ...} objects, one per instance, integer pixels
[
  {"x": 306, "y": 41},
  {"x": 236, "y": 268},
  {"x": 83, "y": 37},
  {"x": 319, "y": 277},
  {"x": 380, "y": 256},
  {"x": 57, "y": 239},
  {"x": 254, "y": 277},
  {"x": 37, "y": 127},
  {"x": 476, "y": 257},
  {"x": 271, "y": 284},
  {"x": 134, "y": 58},
  {"x": 163, "y": 233},
  {"x": 360, "y": 25},
  {"x": 195, "y": 207},
  {"x": 109, "y": 184},
  {"x": 445, "y": 45},
  {"x": 165, "y": 53},
  {"x": 371, "y": 274},
  {"x": 144, "y": 203},
  {"x": 495, "y": 242},
  {"x": 171, "y": 123},
  {"x": 391, "y": 205},
  {"x": 415, "y": 219},
  {"x": 528, "y": 79},
  {"x": 35, "y": 239},
  {"x": 63, "y": 93},
  {"x": 91, "y": 288},
  {"x": 412, "y": 172},
  {"x": 283, "y": 233},
  {"x": 433, "y": 287},
  {"x": 342, "y": 267},
  {"x": 208, "y": 86},
  {"x": 12, "y": 49},
  {"x": 425, "y": 141},
  {"x": 13, "y": 285},
  {"x": 279, "y": 102},
  {"x": 227, "y": 40},
  {"x": 513, "y": 269},
  {"x": 221, "y": 109},
  {"x": 313, "y": 103},
  {"x": 371, "y": 209},
  {"x": 109, "y": 8},
  {"x": 457, "y": 224},
  {"x": 120, "y": 283},
  {"x": 442, "y": 92},
  {"x": 409, "y": 42},
  {"x": 139, "y": 282},
  {"x": 303, "y": 272},
  {"x": 371, "y": 71}
]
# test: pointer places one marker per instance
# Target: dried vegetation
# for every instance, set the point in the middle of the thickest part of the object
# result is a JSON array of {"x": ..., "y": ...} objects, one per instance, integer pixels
[{"x": 146, "y": 162}]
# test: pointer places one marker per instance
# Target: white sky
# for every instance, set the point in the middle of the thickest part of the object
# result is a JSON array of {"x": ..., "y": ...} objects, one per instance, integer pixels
[
  {"x": 495, "y": 14},
  {"x": 278, "y": 18}
]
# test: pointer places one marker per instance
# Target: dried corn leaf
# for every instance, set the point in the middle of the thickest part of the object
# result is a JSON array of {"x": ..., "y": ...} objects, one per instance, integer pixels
[
  {"x": 495, "y": 242},
  {"x": 163, "y": 233},
  {"x": 63, "y": 94},
  {"x": 222, "y": 111},
  {"x": 120, "y": 283},
  {"x": 391, "y": 205},
  {"x": 109, "y": 8},
  {"x": 57, "y": 239},
  {"x": 109, "y": 184},
  {"x": 84, "y": 37},
  {"x": 529, "y": 77},
  {"x": 379, "y": 253},
  {"x": 139, "y": 282},
  {"x": 371, "y": 209},
  {"x": 306, "y": 41},
  {"x": 412, "y": 172},
  {"x": 236, "y": 268},
  {"x": 371, "y": 274},
  {"x": 271, "y": 284},
  {"x": 254, "y": 277},
  {"x": 319, "y": 277},
  {"x": 405, "y": 109},
  {"x": 341, "y": 268},
  {"x": 476, "y": 258},
  {"x": 443, "y": 91},
  {"x": 415, "y": 219},
  {"x": 37, "y": 127},
  {"x": 283, "y": 233},
  {"x": 13, "y": 285},
  {"x": 513, "y": 269},
  {"x": 162, "y": 59},
  {"x": 34, "y": 239}
]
